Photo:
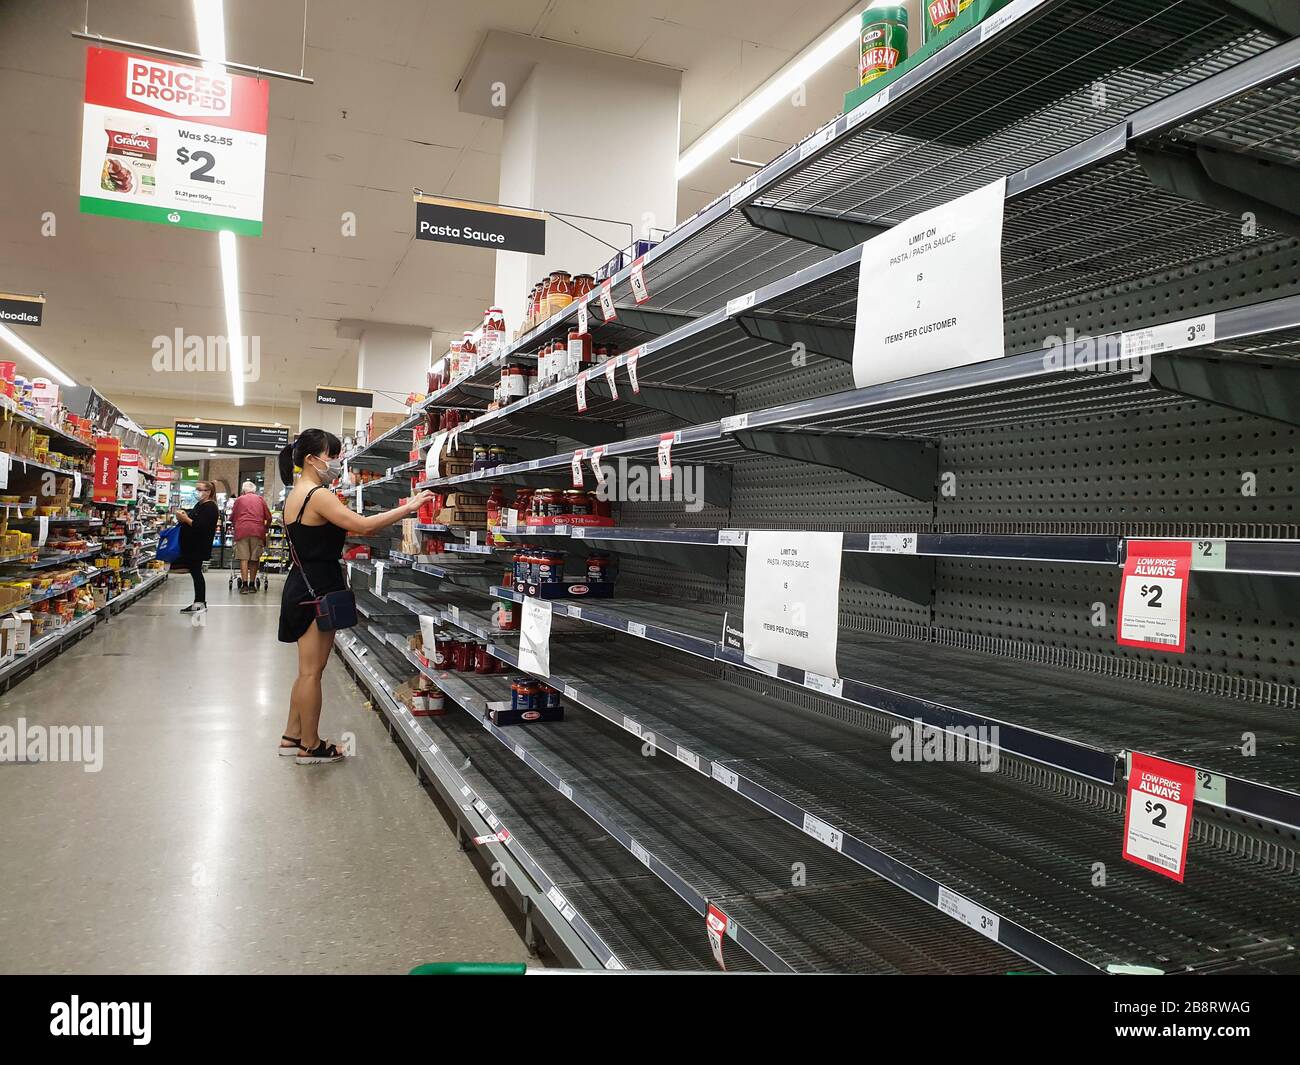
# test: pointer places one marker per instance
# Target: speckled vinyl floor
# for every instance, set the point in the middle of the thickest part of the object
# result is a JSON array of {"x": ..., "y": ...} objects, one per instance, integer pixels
[{"x": 195, "y": 849}]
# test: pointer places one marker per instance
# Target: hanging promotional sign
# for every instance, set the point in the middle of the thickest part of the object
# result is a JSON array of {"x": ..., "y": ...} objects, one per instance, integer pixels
[
  {"x": 167, "y": 439},
  {"x": 128, "y": 475},
  {"x": 163, "y": 488},
  {"x": 930, "y": 291},
  {"x": 106, "y": 452},
  {"x": 792, "y": 598},
  {"x": 1158, "y": 815},
  {"x": 718, "y": 925},
  {"x": 1153, "y": 595},
  {"x": 21, "y": 310},
  {"x": 173, "y": 144},
  {"x": 480, "y": 225}
]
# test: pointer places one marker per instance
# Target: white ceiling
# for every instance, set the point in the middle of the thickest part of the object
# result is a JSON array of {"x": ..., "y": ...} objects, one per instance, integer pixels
[{"x": 380, "y": 119}]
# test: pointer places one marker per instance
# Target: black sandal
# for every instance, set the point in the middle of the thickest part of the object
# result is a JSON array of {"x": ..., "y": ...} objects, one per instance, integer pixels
[
  {"x": 322, "y": 752},
  {"x": 295, "y": 741}
]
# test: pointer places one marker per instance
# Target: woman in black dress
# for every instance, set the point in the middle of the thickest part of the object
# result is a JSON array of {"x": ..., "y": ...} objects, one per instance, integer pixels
[
  {"x": 317, "y": 524},
  {"x": 199, "y": 526}
]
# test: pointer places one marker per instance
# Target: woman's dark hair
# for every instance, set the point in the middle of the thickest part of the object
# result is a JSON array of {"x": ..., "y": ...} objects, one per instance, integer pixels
[{"x": 309, "y": 442}]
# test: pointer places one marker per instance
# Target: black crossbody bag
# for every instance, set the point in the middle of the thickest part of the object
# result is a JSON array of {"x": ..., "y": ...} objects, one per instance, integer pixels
[{"x": 334, "y": 610}]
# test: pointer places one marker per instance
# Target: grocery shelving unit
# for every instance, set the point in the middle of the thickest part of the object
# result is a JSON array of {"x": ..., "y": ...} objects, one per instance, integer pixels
[{"x": 1134, "y": 138}]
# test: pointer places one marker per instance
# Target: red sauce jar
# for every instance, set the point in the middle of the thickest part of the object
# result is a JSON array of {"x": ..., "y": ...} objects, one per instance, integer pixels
[
  {"x": 462, "y": 655},
  {"x": 524, "y": 693},
  {"x": 599, "y": 507},
  {"x": 443, "y": 648},
  {"x": 550, "y": 567},
  {"x": 548, "y": 504},
  {"x": 597, "y": 567},
  {"x": 576, "y": 501},
  {"x": 483, "y": 662}
]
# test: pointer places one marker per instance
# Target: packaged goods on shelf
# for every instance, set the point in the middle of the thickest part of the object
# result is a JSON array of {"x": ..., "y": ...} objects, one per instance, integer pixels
[
  {"x": 530, "y": 701},
  {"x": 882, "y": 39},
  {"x": 938, "y": 15}
]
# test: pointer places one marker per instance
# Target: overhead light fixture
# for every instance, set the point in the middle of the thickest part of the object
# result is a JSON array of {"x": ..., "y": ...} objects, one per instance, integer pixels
[
  {"x": 25, "y": 349},
  {"x": 772, "y": 92},
  {"x": 210, "y": 21},
  {"x": 234, "y": 330}
]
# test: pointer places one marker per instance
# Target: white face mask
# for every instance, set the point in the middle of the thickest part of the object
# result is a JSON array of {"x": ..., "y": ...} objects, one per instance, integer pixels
[{"x": 332, "y": 472}]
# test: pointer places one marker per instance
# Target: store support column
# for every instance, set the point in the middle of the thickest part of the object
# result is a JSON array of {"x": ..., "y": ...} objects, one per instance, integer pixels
[
  {"x": 393, "y": 362},
  {"x": 585, "y": 133}
]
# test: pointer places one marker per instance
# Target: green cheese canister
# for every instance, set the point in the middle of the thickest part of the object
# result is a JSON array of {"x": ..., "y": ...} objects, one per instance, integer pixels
[{"x": 882, "y": 40}]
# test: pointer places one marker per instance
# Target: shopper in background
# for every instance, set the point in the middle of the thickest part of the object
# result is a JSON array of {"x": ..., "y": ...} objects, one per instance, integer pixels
[
  {"x": 317, "y": 524},
  {"x": 251, "y": 518},
  {"x": 200, "y": 526}
]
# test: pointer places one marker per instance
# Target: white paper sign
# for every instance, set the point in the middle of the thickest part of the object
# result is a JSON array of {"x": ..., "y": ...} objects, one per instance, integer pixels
[
  {"x": 535, "y": 637},
  {"x": 930, "y": 291},
  {"x": 433, "y": 460},
  {"x": 43, "y": 530},
  {"x": 76, "y": 487},
  {"x": 792, "y": 598},
  {"x": 379, "y": 579},
  {"x": 5, "y": 462}
]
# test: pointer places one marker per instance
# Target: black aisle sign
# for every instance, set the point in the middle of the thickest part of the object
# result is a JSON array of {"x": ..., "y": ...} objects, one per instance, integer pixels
[
  {"x": 331, "y": 396},
  {"x": 480, "y": 225},
  {"x": 21, "y": 310},
  {"x": 222, "y": 437}
]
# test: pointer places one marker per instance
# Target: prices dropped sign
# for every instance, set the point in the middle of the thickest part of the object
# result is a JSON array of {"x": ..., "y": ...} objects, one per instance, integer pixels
[
  {"x": 173, "y": 144},
  {"x": 1153, "y": 595}
]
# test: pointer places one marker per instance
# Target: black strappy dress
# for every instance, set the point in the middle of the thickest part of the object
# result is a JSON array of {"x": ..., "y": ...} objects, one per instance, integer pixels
[{"x": 318, "y": 548}]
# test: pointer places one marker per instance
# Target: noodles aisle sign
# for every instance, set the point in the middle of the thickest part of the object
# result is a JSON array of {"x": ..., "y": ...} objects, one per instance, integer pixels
[{"x": 173, "y": 144}]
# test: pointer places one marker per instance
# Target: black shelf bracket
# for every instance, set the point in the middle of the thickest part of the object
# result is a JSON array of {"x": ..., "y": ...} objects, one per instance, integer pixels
[
  {"x": 1233, "y": 182},
  {"x": 644, "y": 320},
  {"x": 1270, "y": 389},
  {"x": 580, "y": 429},
  {"x": 909, "y": 577},
  {"x": 821, "y": 230},
  {"x": 692, "y": 405},
  {"x": 695, "y": 558},
  {"x": 906, "y": 465},
  {"x": 832, "y": 341}
]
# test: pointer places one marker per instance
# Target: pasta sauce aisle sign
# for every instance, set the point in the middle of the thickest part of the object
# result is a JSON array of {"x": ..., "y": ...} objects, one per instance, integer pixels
[{"x": 178, "y": 145}]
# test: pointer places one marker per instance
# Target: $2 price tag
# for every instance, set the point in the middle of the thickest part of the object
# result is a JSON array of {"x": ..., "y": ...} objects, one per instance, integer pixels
[{"x": 1153, "y": 595}]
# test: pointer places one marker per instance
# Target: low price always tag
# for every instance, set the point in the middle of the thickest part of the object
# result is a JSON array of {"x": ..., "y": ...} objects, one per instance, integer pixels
[
  {"x": 583, "y": 319},
  {"x": 597, "y": 470},
  {"x": 607, "y": 300},
  {"x": 717, "y": 924},
  {"x": 1158, "y": 815},
  {"x": 575, "y": 466},
  {"x": 1153, "y": 595},
  {"x": 610, "y": 378},
  {"x": 637, "y": 277},
  {"x": 633, "y": 357},
  {"x": 666, "y": 457},
  {"x": 580, "y": 389}
]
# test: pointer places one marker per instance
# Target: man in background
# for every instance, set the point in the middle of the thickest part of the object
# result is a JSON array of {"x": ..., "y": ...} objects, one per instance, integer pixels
[{"x": 251, "y": 519}]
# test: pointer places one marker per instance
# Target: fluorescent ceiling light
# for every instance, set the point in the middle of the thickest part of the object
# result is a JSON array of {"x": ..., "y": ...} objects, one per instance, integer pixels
[
  {"x": 234, "y": 330},
  {"x": 25, "y": 349},
  {"x": 210, "y": 21},
  {"x": 781, "y": 85}
]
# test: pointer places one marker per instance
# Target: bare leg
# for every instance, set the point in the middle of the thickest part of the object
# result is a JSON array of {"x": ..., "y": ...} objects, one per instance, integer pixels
[
  {"x": 305, "y": 698},
  {"x": 252, "y": 569},
  {"x": 243, "y": 569}
]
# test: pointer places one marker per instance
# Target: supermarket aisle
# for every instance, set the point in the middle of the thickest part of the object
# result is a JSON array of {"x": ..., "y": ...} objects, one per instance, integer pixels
[{"x": 195, "y": 848}]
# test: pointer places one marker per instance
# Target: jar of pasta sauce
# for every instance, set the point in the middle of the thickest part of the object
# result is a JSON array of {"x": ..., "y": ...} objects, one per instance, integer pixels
[
  {"x": 462, "y": 655},
  {"x": 550, "y": 697},
  {"x": 483, "y": 662},
  {"x": 524, "y": 693},
  {"x": 443, "y": 648},
  {"x": 523, "y": 503},
  {"x": 548, "y": 504},
  {"x": 600, "y": 508},
  {"x": 550, "y": 567},
  {"x": 597, "y": 567},
  {"x": 507, "y": 617},
  {"x": 576, "y": 501}
]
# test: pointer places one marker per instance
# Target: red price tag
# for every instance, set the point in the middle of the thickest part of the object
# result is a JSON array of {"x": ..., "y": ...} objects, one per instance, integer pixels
[
  {"x": 575, "y": 466},
  {"x": 596, "y": 468},
  {"x": 666, "y": 457},
  {"x": 633, "y": 357},
  {"x": 1153, "y": 595},
  {"x": 581, "y": 389},
  {"x": 717, "y": 923},
  {"x": 1158, "y": 815},
  {"x": 610, "y": 367},
  {"x": 607, "y": 299},
  {"x": 637, "y": 277}
]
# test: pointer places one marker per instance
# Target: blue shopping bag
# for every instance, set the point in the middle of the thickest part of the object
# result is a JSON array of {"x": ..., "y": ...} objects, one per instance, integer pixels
[{"x": 169, "y": 544}]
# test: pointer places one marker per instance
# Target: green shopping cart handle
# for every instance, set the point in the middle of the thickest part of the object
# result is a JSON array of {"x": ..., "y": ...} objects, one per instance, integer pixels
[{"x": 470, "y": 968}]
